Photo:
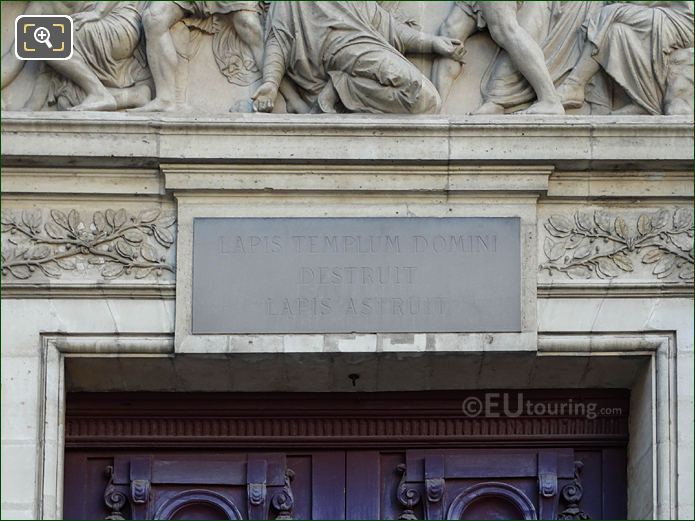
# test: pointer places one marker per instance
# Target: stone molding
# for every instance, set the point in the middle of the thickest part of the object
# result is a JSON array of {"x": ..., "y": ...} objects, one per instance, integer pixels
[
  {"x": 657, "y": 347},
  {"x": 567, "y": 142},
  {"x": 660, "y": 348},
  {"x": 90, "y": 290},
  {"x": 418, "y": 179},
  {"x": 50, "y": 440},
  {"x": 602, "y": 290}
]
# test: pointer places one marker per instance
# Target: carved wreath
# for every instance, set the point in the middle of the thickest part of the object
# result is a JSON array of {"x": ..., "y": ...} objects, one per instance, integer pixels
[
  {"x": 120, "y": 242},
  {"x": 598, "y": 244}
]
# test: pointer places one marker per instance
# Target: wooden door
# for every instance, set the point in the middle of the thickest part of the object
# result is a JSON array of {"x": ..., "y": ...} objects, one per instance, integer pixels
[
  {"x": 245, "y": 461},
  {"x": 204, "y": 485}
]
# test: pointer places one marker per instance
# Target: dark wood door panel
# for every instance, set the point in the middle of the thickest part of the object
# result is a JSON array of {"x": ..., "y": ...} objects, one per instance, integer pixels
[
  {"x": 417, "y": 484},
  {"x": 361, "y": 460}
]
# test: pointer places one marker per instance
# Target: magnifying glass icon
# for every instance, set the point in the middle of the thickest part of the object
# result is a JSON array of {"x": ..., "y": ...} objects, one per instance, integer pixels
[{"x": 43, "y": 35}]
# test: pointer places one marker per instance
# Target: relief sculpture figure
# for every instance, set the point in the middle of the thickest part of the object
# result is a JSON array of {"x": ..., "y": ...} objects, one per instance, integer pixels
[
  {"x": 11, "y": 65},
  {"x": 347, "y": 57},
  {"x": 500, "y": 18},
  {"x": 158, "y": 20},
  {"x": 640, "y": 45},
  {"x": 559, "y": 29},
  {"x": 107, "y": 70}
]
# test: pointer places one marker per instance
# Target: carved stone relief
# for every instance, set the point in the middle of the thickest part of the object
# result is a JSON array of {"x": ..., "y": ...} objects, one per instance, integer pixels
[
  {"x": 389, "y": 57},
  {"x": 603, "y": 244},
  {"x": 632, "y": 44},
  {"x": 109, "y": 244}
]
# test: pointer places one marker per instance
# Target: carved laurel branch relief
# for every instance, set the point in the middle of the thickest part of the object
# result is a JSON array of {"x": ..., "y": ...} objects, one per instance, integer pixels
[
  {"x": 115, "y": 242},
  {"x": 599, "y": 244}
]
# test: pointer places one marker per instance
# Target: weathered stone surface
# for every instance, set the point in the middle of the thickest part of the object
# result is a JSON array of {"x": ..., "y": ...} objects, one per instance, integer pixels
[
  {"x": 515, "y": 56},
  {"x": 618, "y": 317},
  {"x": 347, "y": 275},
  {"x": 576, "y": 143}
]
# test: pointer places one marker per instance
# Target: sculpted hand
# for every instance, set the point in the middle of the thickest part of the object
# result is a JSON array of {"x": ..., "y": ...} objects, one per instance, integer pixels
[
  {"x": 84, "y": 17},
  {"x": 449, "y": 47},
  {"x": 264, "y": 97}
]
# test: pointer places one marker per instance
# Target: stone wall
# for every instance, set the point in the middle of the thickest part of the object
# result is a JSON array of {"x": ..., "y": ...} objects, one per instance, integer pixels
[
  {"x": 99, "y": 200},
  {"x": 102, "y": 316}
]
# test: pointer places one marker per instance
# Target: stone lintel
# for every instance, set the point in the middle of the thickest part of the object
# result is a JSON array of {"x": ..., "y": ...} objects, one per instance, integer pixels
[{"x": 565, "y": 142}]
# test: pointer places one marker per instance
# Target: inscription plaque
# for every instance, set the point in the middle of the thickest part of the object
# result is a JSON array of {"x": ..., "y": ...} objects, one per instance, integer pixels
[{"x": 362, "y": 275}]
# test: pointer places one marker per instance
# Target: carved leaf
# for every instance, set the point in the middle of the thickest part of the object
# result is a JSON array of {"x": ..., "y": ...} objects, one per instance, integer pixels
[
  {"x": 579, "y": 272},
  {"x": 54, "y": 231},
  {"x": 553, "y": 250},
  {"x": 554, "y": 232},
  {"x": 148, "y": 252},
  {"x": 623, "y": 262},
  {"x": 20, "y": 272},
  {"x": 682, "y": 218},
  {"x": 166, "y": 222},
  {"x": 50, "y": 269},
  {"x": 148, "y": 216},
  {"x": 652, "y": 256},
  {"x": 660, "y": 219},
  {"x": 560, "y": 223},
  {"x": 110, "y": 215},
  {"x": 38, "y": 252},
  {"x": 585, "y": 221},
  {"x": 124, "y": 249},
  {"x": 606, "y": 268},
  {"x": 99, "y": 222},
  {"x": 163, "y": 236},
  {"x": 60, "y": 218},
  {"x": 621, "y": 229},
  {"x": 665, "y": 266},
  {"x": 66, "y": 263},
  {"x": 583, "y": 250},
  {"x": 74, "y": 220},
  {"x": 21, "y": 249},
  {"x": 32, "y": 218},
  {"x": 574, "y": 240},
  {"x": 133, "y": 236},
  {"x": 112, "y": 270},
  {"x": 141, "y": 273},
  {"x": 603, "y": 221},
  {"x": 683, "y": 242},
  {"x": 120, "y": 218},
  {"x": 644, "y": 224}
]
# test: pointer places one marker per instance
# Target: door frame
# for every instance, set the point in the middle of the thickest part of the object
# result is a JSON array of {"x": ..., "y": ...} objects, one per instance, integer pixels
[{"x": 653, "y": 397}]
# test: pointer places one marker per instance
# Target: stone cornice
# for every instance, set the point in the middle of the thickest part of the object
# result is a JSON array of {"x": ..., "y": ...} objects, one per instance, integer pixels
[{"x": 568, "y": 142}]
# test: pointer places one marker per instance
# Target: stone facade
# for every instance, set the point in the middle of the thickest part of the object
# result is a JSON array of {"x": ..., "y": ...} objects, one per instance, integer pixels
[{"x": 97, "y": 240}]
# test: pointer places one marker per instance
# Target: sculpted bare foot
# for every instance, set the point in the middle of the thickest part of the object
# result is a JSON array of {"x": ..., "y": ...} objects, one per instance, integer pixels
[
  {"x": 156, "y": 105},
  {"x": 102, "y": 102},
  {"x": 571, "y": 94},
  {"x": 490, "y": 108},
  {"x": 544, "y": 107},
  {"x": 132, "y": 97}
]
